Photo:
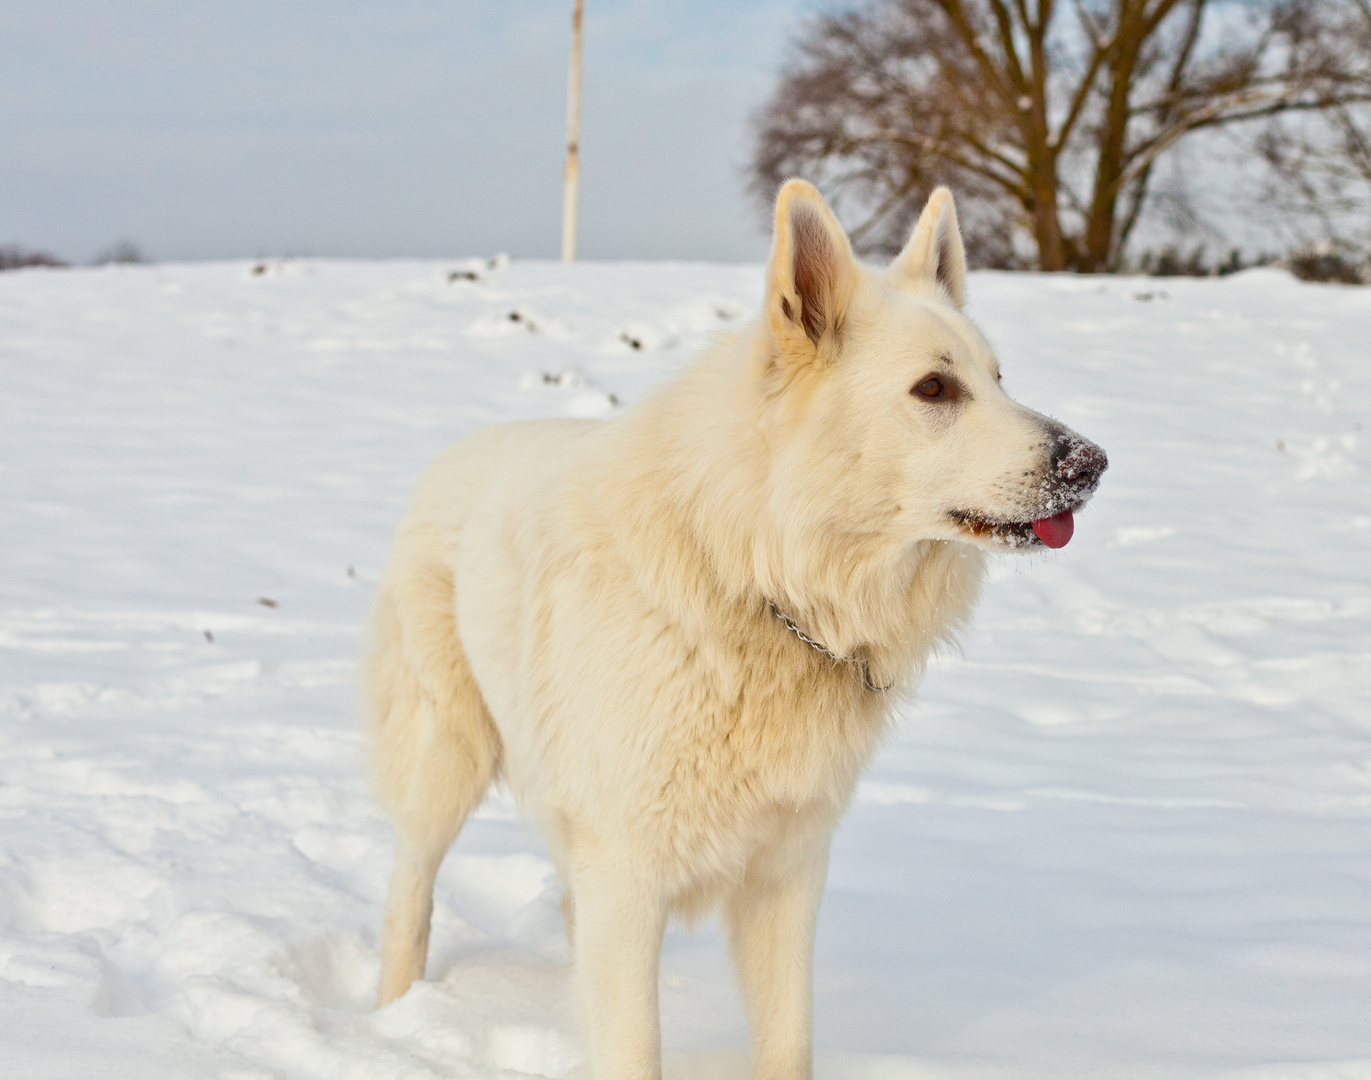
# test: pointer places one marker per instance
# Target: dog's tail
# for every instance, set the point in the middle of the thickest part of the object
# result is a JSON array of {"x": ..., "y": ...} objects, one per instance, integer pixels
[
  {"x": 433, "y": 746},
  {"x": 433, "y": 743}
]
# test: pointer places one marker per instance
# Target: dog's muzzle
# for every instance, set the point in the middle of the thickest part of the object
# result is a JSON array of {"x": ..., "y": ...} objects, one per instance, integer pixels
[{"x": 1077, "y": 464}]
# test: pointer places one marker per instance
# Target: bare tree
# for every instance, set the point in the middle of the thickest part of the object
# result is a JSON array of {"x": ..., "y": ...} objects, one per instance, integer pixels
[
  {"x": 1046, "y": 118},
  {"x": 121, "y": 251},
  {"x": 1322, "y": 168},
  {"x": 14, "y": 257}
]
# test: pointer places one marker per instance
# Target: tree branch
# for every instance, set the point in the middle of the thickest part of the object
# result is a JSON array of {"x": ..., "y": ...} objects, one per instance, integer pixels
[
  {"x": 1158, "y": 16},
  {"x": 1097, "y": 57},
  {"x": 1214, "y": 116},
  {"x": 1097, "y": 35},
  {"x": 858, "y": 234},
  {"x": 1192, "y": 35},
  {"x": 998, "y": 79},
  {"x": 1005, "y": 23}
]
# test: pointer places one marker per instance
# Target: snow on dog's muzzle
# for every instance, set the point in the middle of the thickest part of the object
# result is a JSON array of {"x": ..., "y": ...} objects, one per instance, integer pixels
[{"x": 1076, "y": 467}]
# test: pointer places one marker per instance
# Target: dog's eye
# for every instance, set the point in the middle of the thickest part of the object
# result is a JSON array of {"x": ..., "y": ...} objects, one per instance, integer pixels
[{"x": 930, "y": 388}]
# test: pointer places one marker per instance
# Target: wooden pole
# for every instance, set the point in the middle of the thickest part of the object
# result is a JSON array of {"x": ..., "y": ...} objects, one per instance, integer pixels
[{"x": 572, "y": 175}]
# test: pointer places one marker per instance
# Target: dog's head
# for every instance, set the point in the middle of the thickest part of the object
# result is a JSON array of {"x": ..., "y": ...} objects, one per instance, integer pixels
[{"x": 884, "y": 401}]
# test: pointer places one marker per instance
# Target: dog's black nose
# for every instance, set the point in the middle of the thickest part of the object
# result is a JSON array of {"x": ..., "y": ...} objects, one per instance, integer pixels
[{"x": 1078, "y": 462}]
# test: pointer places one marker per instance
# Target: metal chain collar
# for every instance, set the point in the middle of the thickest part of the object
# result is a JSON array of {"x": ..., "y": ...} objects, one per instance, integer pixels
[{"x": 866, "y": 670}]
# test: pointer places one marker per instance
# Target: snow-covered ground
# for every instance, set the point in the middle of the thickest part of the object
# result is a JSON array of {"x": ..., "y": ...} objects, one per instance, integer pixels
[{"x": 1126, "y": 834}]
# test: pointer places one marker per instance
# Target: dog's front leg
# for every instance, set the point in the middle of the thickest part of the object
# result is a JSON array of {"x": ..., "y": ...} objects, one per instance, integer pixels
[
  {"x": 771, "y": 920},
  {"x": 620, "y": 919}
]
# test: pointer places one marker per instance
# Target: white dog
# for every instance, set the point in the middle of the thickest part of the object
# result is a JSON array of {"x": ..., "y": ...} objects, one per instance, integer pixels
[{"x": 672, "y": 632}]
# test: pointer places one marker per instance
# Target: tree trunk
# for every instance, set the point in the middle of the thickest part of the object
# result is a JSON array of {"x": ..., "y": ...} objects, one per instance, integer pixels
[
  {"x": 1042, "y": 158},
  {"x": 1100, "y": 225},
  {"x": 1047, "y": 225}
]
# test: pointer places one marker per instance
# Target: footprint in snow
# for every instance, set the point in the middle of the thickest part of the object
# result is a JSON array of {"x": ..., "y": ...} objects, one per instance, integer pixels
[
  {"x": 584, "y": 400},
  {"x": 503, "y": 322},
  {"x": 640, "y": 337}
]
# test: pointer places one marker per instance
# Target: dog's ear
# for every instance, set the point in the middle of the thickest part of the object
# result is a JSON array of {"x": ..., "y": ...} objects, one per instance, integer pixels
[
  {"x": 810, "y": 278},
  {"x": 934, "y": 254}
]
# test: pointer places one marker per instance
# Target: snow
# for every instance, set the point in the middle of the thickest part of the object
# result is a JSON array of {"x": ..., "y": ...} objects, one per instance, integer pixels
[{"x": 1127, "y": 833}]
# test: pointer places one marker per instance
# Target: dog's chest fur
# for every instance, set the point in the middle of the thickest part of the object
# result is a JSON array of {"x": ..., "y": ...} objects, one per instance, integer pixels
[
  {"x": 638, "y": 699},
  {"x": 613, "y": 586}
]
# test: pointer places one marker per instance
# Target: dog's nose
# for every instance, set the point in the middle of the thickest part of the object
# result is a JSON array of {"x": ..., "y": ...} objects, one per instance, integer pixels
[{"x": 1078, "y": 462}]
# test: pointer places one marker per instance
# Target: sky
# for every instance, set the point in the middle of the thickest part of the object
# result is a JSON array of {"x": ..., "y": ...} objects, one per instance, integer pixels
[{"x": 406, "y": 128}]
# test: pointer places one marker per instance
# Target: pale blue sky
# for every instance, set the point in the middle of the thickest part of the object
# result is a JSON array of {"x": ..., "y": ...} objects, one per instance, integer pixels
[{"x": 412, "y": 127}]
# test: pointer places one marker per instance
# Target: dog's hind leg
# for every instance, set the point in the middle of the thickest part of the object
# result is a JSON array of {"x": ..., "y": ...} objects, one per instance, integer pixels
[{"x": 434, "y": 747}]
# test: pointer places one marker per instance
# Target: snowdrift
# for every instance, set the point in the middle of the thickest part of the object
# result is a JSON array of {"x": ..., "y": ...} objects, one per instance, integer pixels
[{"x": 1125, "y": 833}]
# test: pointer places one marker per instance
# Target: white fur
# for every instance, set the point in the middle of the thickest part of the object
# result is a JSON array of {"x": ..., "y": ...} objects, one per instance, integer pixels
[{"x": 583, "y": 607}]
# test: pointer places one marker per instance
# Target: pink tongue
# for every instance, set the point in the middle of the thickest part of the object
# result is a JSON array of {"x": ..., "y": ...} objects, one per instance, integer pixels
[{"x": 1055, "y": 531}]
